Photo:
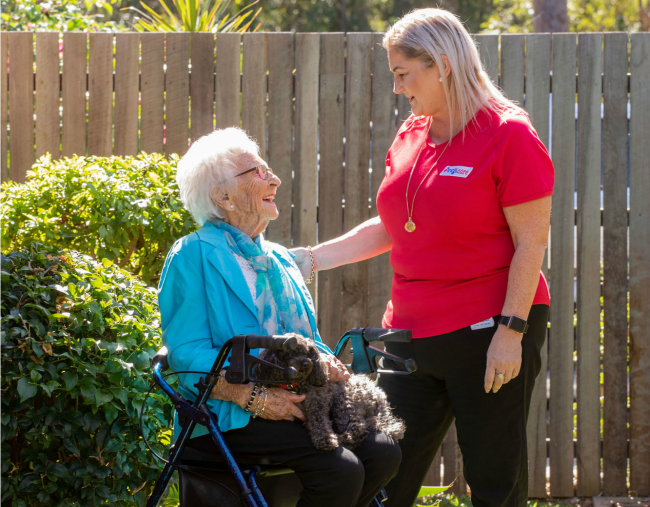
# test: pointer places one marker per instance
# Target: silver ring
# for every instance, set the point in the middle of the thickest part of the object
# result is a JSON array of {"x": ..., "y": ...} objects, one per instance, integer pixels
[
  {"x": 499, "y": 375},
  {"x": 340, "y": 369}
]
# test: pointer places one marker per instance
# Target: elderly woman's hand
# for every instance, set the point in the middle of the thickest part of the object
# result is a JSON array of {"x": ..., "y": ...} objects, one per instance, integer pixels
[
  {"x": 280, "y": 404},
  {"x": 336, "y": 369}
]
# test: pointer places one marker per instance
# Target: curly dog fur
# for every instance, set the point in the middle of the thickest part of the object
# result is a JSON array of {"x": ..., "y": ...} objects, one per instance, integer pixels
[{"x": 336, "y": 413}]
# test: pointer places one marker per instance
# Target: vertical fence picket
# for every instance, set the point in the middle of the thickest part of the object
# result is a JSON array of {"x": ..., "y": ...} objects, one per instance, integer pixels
[
  {"x": 202, "y": 84},
  {"x": 305, "y": 192},
  {"x": 639, "y": 266},
  {"x": 538, "y": 63},
  {"x": 562, "y": 271},
  {"x": 152, "y": 92},
  {"x": 403, "y": 110},
  {"x": 330, "y": 183},
  {"x": 433, "y": 475},
  {"x": 488, "y": 47},
  {"x": 280, "y": 54},
  {"x": 590, "y": 60},
  {"x": 615, "y": 264},
  {"x": 228, "y": 85},
  {"x": 47, "y": 94},
  {"x": 100, "y": 94},
  {"x": 453, "y": 461},
  {"x": 380, "y": 274},
  {"x": 73, "y": 94},
  {"x": 254, "y": 89},
  {"x": 127, "y": 54},
  {"x": 513, "y": 66},
  {"x": 21, "y": 104},
  {"x": 357, "y": 156},
  {"x": 177, "y": 92},
  {"x": 4, "y": 88}
]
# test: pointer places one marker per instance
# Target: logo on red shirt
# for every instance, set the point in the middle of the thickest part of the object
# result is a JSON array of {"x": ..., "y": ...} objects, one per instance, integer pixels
[{"x": 458, "y": 171}]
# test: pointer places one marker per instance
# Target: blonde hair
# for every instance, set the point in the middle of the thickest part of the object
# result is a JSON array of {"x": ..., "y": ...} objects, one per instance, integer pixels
[{"x": 428, "y": 34}]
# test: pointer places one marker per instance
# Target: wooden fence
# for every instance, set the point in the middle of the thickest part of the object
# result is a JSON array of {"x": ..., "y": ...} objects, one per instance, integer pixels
[{"x": 322, "y": 109}]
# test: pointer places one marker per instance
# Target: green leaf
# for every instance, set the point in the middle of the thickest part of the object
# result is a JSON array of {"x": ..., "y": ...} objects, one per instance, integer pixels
[
  {"x": 58, "y": 470},
  {"x": 102, "y": 231},
  {"x": 50, "y": 387},
  {"x": 111, "y": 412},
  {"x": 70, "y": 380},
  {"x": 432, "y": 490},
  {"x": 88, "y": 390},
  {"x": 25, "y": 389},
  {"x": 107, "y": 262},
  {"x": 102, "y": 397}
]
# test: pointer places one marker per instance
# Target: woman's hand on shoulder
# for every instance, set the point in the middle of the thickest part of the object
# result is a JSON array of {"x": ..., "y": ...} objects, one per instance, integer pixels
[
  {"x": 303, "y": 260},
  {"x": 337, "y": 372}
]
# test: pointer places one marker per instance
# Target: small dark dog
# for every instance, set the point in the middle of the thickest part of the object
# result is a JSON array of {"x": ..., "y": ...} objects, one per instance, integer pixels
[{"x": 337, "y": 413}]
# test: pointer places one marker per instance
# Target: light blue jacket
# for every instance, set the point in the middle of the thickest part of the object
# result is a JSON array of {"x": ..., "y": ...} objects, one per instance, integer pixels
[{"x": 204, "y": 301}]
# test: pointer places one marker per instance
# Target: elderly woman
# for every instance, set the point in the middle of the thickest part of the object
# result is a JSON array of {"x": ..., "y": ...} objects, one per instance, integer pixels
[
  {"x": 225, "y": 280},
  {"x": 467, "y": 245}
]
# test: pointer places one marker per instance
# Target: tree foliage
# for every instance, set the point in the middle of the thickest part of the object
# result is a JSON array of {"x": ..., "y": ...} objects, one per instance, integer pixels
[
  {"x": 77, "y": 338},
  {"x": 126, "y": 210},
  {"x": 61, "y": 16},
  {"x": 195, "y": 16}
]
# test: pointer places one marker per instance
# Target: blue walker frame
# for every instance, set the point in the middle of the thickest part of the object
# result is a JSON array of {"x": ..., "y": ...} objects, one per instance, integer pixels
[{"x": 240, "y": 371}]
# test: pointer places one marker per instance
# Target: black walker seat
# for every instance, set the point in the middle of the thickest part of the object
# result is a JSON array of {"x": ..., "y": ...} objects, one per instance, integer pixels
[{"x": 206, "y": 480}]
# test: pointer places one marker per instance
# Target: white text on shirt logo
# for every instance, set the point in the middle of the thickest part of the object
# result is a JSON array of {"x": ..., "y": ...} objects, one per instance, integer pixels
[{"x": 458, "y": 171}]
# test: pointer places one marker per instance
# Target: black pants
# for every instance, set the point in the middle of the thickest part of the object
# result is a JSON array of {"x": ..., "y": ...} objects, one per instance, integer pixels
[
  {"x": 491, "y": 427},
  {"x": 341, "y": 478}
]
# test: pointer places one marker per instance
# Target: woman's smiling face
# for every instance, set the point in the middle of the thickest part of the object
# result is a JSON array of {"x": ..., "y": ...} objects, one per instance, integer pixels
[
  {"x": 253, "y": 205},
  {"x": 419, "y": 83}
]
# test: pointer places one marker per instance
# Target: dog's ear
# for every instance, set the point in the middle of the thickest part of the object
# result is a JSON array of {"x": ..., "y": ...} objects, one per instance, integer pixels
[{"x": 318, "y": 376}]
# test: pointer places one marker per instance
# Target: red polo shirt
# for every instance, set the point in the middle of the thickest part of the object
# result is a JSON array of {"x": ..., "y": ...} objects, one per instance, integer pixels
[{"x": 452, "y": 271}]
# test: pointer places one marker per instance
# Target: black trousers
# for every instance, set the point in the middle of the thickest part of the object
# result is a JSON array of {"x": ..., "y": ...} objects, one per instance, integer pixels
[
  {"x": 491, "y": 427},
  {"x": 341, "y": 478}
]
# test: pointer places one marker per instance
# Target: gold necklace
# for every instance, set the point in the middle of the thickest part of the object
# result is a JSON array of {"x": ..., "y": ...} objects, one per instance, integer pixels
[{"x": 410, "y": 225}]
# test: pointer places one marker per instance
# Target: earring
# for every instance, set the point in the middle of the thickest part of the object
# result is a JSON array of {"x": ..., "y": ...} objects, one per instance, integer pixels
[
  {"x": 440, "y": 79},
  {"x": 232, "y": 207}
]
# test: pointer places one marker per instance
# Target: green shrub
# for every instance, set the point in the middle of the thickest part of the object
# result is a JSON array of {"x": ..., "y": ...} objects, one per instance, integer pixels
[
  {"x": 77, "y": 338},
  {"x": 126, "y": 210}
]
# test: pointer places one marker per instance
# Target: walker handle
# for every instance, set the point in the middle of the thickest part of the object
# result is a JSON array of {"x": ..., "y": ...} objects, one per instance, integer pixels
[
  {"x": 276, "y": 342},
  {"x": 374, "y": 334}
]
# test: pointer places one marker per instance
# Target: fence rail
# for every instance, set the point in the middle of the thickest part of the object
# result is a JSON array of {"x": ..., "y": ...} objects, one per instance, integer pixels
[{"x": 322, "y": 110}]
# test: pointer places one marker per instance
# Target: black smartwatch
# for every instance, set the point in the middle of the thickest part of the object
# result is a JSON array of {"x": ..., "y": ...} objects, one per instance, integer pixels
[{"x": 515, "y": 323}]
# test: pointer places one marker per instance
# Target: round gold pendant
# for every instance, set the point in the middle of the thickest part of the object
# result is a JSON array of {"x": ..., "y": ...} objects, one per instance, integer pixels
[{"x": 409, "y": 226}]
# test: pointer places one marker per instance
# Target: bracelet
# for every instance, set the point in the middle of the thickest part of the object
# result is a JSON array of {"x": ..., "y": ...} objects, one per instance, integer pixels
[
  {"x": 250, "y": 400},
  {"x": 259, "y": 400},
  {"x": 266, "y": 396},
  {"x": 313, "y": 267}
]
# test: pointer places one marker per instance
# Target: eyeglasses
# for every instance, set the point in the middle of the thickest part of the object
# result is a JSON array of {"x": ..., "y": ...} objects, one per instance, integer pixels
[{"x": 262, "y": 171}]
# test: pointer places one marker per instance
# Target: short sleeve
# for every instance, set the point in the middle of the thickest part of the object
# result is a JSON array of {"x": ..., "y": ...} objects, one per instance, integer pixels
[{"x": 524, "y": 171}]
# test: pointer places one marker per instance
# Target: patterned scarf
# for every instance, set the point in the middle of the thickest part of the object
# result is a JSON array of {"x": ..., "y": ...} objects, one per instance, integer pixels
[{"x": 280, "y": 307}]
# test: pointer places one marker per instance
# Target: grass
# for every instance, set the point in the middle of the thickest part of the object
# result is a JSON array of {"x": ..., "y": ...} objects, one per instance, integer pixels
[{"x": 449, "y": 500}]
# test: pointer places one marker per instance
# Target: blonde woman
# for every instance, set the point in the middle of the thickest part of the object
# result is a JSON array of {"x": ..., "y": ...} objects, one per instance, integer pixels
[{"x": 465, "y": 209}]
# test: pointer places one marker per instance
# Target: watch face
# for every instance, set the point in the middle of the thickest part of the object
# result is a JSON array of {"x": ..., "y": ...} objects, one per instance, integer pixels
[{"x": 517, "y": 324}]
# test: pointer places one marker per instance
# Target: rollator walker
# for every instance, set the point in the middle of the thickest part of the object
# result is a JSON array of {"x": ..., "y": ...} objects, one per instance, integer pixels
[{"x": 205, "y": 480}]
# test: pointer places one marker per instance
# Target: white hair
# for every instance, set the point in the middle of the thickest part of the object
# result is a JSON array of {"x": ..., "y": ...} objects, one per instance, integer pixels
[
  {"x": 428, "y": 34},
  {"x": 211, "y": 162}
]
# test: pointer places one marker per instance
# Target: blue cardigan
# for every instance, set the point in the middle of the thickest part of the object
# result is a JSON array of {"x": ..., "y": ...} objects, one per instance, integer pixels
[{"x": 204, "y": 301}]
